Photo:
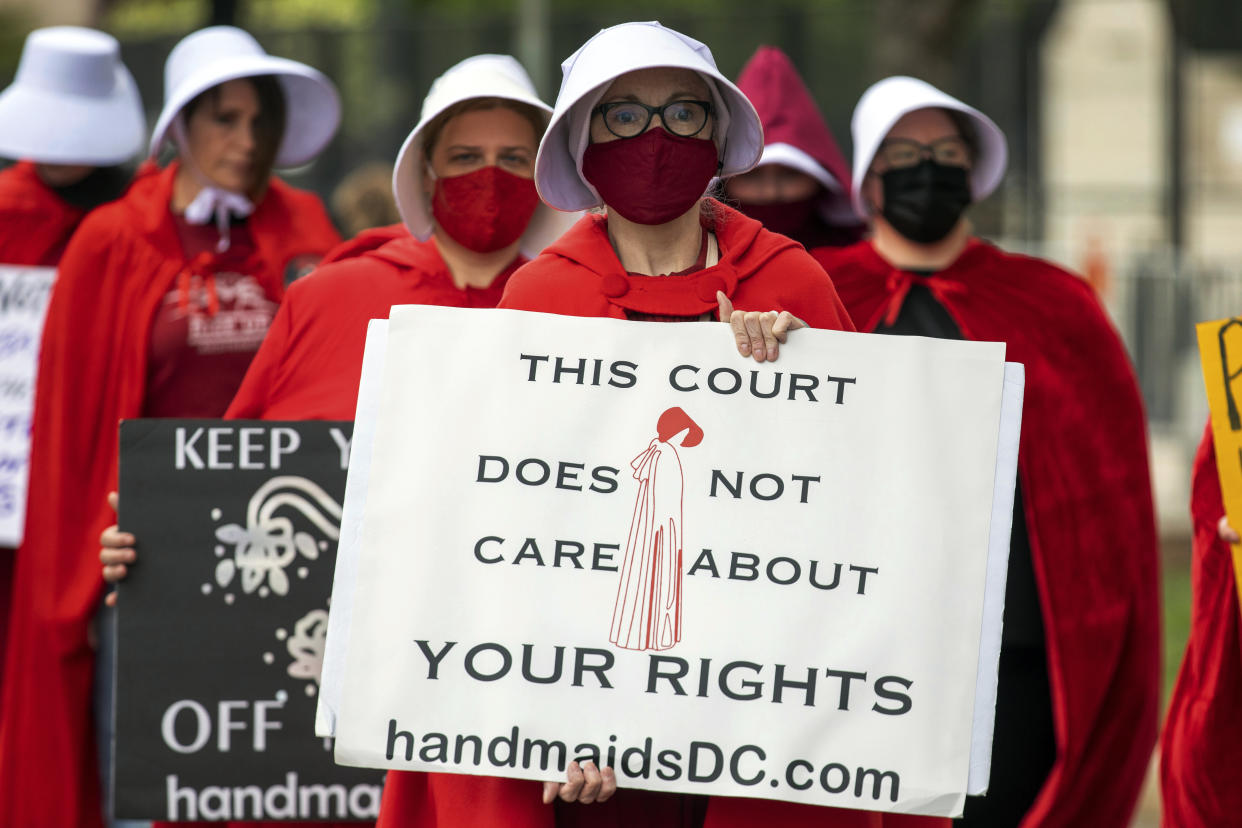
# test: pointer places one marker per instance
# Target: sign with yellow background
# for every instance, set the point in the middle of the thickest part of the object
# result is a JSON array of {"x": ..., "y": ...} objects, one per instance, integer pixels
[{"x": 1220, "y": 351}]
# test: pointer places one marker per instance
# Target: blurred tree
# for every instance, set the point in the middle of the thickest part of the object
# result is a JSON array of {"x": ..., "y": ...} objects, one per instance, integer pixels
[
  {"x": 127, "y": 18},
  {"x": 1209, "y": 25},
  {"x": 130, "y": 18},
  {"x": 920, "y": 37},
  {"x": 223, "y": 12},
  {"x": 13, "y": 28}
]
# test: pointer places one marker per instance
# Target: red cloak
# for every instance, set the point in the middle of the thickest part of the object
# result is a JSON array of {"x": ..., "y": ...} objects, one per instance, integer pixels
[
  {"x": 1087, "y": 494},
  {"x": 1201, "y": 750},
  {"x": 580, "y": 275},
  {"x": 791, "y": 119},
  {"x": 35, "y": 223},
  {"x": 35, "y": 226},
  {"x": 92, "y": 373},
  {"x": 370, "y": 239},
  {"x": 309, "y": 365},
  {"x": 788, "y": 112}
]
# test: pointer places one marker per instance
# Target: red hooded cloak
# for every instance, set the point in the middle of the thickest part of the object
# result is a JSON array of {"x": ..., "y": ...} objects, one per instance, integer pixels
[
  {"x": 580, "y": 275},
  {"x": 92, "y": 373},
  {"x": 1087, "y": 495},
  {"x": 35, "y": 223},
  {"x": 1201, "y": 750},
  {"x": 35, "y": 226},
  {"x": 790, "y": 116},
  {"x": 310, "y": 364},
  {"x": 789, "y": 113},
  {"x": 370, "y": 239}
]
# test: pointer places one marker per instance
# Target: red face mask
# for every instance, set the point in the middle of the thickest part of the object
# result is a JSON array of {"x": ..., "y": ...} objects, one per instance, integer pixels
[
  {"x": 653, "y": 178},
  {"x": 485, "y": 210},
  {"x": 785, "y": 217}
]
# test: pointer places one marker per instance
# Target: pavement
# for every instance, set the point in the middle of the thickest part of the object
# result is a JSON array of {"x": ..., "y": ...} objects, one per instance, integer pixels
[{"x": 1147, "y": 814}]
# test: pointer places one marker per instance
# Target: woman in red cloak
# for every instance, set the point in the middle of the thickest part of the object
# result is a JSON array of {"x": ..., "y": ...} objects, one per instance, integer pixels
[
  {"x": 1080, "y": 654},
  {"x": 1201, "y": 748},
  {"x": 471, "y": 216},
  {"x": 801, "y": 186},
  {"x": 162, "y": 299},
  {"x": 72, "y": 116},
  {"x": 643, "y": 122}
]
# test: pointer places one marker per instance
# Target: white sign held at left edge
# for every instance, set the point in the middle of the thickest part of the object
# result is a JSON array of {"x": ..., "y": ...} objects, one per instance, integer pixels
[{"x": 24, "y": 293}]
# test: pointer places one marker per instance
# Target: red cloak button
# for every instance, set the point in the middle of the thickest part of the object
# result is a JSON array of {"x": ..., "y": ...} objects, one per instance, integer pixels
[
  {"x": 614, "y": 286},
  {"x": 708, "y": 287}
]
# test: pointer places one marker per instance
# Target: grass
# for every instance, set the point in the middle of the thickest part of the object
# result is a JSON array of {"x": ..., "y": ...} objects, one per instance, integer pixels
[{"x": 1176, "y": 608}]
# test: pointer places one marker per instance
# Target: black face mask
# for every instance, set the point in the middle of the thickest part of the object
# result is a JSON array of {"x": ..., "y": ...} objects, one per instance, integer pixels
[{"x": 924, "y": 202}]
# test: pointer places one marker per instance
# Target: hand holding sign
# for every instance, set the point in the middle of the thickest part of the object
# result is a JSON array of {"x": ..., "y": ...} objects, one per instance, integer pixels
[
  {"x": 585, "y": 784},
  {"x": 117, "y": 551},
  {"x": 758, "y": 334}
]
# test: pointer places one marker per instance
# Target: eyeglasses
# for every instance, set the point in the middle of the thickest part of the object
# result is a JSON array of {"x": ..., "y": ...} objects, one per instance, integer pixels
[
  {"x": 898, "y": 153},
  {"x": 628, "y": 119}
]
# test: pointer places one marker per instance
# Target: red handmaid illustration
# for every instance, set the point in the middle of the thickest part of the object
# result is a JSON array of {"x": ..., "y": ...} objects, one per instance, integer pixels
[{"x": 647, "y": 613}]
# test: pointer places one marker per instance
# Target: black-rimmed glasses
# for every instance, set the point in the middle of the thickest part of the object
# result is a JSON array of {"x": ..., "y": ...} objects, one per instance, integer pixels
[
  {"x": 629, "y": 119},
  {"x": 898, "y": 153}
]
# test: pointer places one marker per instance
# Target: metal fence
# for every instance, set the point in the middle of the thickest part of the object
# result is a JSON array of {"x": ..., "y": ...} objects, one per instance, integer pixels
[{"x": 1155, "y": 298}]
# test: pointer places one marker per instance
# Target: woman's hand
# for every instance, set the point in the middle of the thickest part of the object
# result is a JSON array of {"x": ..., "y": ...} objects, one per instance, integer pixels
[
  {"x": 585, "y": 784},
  {"x": 758, "y": 334},
  {"x": 117, "y": 550},
  {"x": 1226, "y": 532}
]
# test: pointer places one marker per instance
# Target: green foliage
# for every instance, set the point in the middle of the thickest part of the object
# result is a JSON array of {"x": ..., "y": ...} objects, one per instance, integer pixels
[
  {"x": 13, "y": 29},
  {"x": 630, "y": 10},
  {"x": 144, "y": 18},
  {"x": 1176, "y": 610},
  {"x": 128, "y": 18},
  {"x": 282, "y": 14}
]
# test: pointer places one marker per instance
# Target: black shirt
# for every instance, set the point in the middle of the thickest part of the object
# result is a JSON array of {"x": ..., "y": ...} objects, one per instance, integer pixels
[
  {"x": 922, "y": 315},
  {"x": 1023, "y": 742}
]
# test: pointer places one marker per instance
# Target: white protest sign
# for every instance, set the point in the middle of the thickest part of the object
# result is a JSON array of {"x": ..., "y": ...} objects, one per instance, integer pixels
[
  {"x": 333, "y": 674},
  {"x": 24, "y": 293},
  {"x": 591, "y": 538}
]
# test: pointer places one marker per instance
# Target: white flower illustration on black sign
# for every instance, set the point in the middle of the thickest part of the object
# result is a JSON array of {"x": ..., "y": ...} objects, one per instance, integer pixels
[
  {"x": 305, "y": 646},
  {"x": 268, "y": 544}
]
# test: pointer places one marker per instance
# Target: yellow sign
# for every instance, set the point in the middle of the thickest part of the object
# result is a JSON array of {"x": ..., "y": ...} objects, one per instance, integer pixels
[{"x": 1220, "y": 352}]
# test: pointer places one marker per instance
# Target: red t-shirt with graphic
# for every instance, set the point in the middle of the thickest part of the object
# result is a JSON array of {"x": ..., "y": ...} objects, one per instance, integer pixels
[{"x": 208, "y": 326}]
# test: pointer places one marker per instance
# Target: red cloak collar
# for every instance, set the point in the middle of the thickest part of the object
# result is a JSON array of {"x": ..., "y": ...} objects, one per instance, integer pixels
[{"x": 742, "y": 254}]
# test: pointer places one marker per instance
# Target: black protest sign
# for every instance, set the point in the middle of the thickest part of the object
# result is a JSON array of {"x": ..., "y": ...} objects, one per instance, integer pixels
[{"x": 221, "y": 624}]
